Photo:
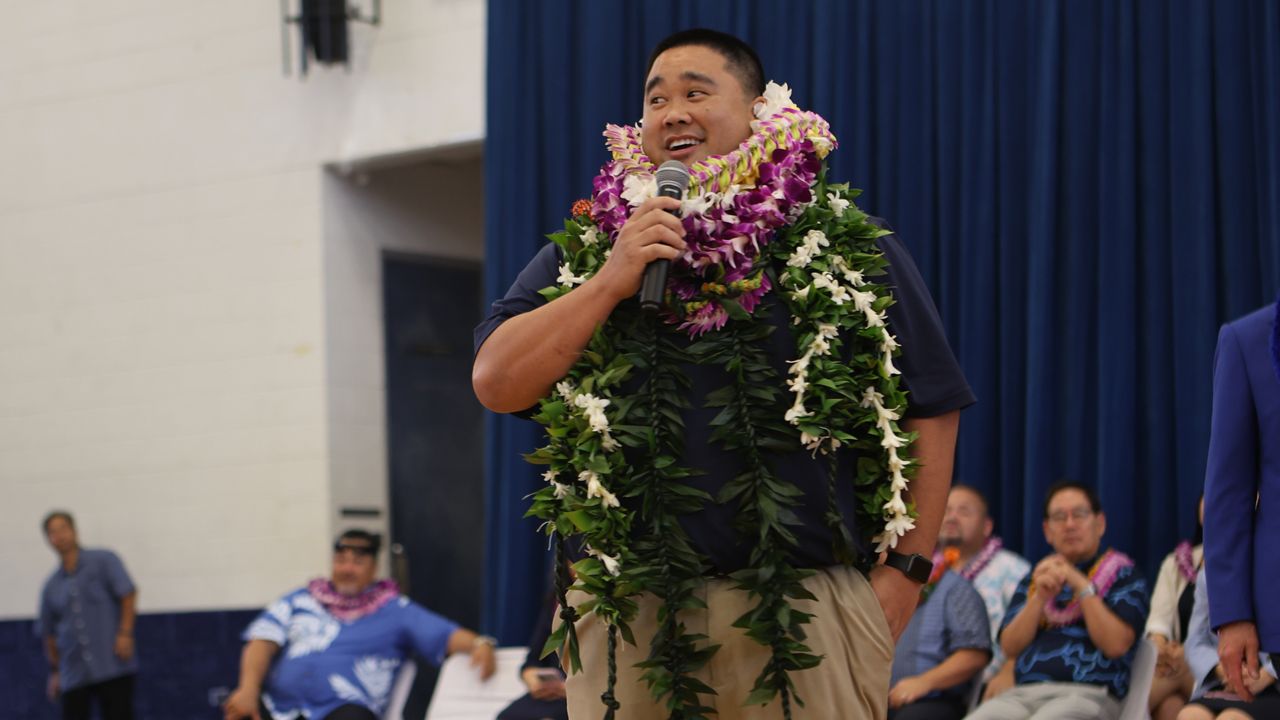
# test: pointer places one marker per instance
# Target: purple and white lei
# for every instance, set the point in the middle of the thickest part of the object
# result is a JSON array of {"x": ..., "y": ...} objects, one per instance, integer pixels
[{"x": 728, "y": 218}]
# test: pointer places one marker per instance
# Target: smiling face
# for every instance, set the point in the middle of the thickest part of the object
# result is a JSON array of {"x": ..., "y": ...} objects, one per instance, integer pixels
[{"x": 694, "y": 107}]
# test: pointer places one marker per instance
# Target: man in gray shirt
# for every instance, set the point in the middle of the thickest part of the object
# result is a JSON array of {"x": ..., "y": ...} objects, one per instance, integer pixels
[{"x": 87, "y": 610}]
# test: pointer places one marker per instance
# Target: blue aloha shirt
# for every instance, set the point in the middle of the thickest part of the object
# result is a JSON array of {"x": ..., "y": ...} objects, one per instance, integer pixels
[
  {"x": 325, "y": 663},
  {"x": 1066, "y": 654}
]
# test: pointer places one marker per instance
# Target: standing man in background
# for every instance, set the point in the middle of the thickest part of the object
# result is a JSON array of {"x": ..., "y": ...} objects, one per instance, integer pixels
[
  {"x": 1242, "y": 495},
  {"x": 87, "y": 611}
]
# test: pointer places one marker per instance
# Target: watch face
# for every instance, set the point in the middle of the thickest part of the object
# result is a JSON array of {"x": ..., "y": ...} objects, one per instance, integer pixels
[
  {"x": 916, "y": 569},
  {"x": 913, "y": 566}
]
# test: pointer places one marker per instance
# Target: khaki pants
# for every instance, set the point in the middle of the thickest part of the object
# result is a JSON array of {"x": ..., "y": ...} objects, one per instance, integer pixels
[
  {"x": 848, "y": 629},
  {"x": 1050, "y": 701}
]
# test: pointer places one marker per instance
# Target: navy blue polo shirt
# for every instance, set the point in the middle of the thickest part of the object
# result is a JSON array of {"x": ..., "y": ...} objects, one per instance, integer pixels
[
  {"x": 930, "y": 373},
  {"x": 81, "y": 610}
]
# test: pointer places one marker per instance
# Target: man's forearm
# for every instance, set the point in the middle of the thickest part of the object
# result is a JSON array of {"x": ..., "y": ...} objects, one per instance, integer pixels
[
  {"x": 1108, "y": 632},
  {"x": 462, "y": 641},
  {"x": 1020, "y": 631},
  {"x": 958, "y": 667},
  {"x": 254, "y": 663},
  {"x": 934, "y": 451},
  {"x": 128, "y": 613},
  {"x": 520, "y": 362}
]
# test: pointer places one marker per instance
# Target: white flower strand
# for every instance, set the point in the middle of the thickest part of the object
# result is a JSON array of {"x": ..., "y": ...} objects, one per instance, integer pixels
[
  {"x": 864, "y": 301},
  {"x": 810, "y": 247},
  {"x": 610, "y": 562},
  {"x": 837, "y": 204},
  {"x": 897, "y": 517},
  {"x": 898, "y": 520},
  {"x": 567, "y": 278},
  {"x": 597, "y": 489},
  {"x": 594, "y": 407},
  {"x": 561, "y": 490}
]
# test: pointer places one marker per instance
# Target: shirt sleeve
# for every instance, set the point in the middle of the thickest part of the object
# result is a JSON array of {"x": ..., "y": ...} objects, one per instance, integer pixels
[
  {"x": 522, "y": 296},
  {"x": 1201, "y": 649},
  {"x": 1230, "y": 485},
  {"x": 1128, "y": 599},
  {"x": 46, "y": 622},
  {"x": 271, "y": 624},
  {"x": 966, "y": 620},
  {"x": 1164, "y": 600},
  {"x": 428, "y": 632},
  {"x": 935, "y": 383},
  {"x": 117, "y": 577},
  {"x": 1016, "y": 603}
]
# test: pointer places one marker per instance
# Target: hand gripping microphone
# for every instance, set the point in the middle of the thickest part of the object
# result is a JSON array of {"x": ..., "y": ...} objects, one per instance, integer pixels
[{"x": 673, "y": 179}]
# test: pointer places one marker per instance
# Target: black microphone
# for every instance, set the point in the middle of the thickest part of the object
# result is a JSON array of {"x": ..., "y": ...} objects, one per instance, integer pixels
[{"x": 673, "y": 179}]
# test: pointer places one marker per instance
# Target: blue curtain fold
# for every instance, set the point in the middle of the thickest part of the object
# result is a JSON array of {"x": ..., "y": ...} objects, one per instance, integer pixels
[{"x": 1089, "y": 188}]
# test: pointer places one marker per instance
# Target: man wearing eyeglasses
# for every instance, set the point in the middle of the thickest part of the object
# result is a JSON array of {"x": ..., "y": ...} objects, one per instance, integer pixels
[
  {"x": 337, "y": 643},
  {"x": 1074, "y": 621}
]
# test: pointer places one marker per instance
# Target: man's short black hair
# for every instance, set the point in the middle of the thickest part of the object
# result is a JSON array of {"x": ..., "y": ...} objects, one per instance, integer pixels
[
  {"x": 739, "y": 57},
  {"x": 373, "y": 540},
  {"x": 1094, "y": 503},
  {"x": 54, "y": 516}
]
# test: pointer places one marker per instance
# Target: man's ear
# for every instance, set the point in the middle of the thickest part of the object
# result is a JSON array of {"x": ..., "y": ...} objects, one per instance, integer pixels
[{"x": 757, "y": 106}]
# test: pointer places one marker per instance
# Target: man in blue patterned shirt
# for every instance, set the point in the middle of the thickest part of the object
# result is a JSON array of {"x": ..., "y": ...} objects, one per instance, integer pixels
[
  {"x": 1074, "y": 622},
  {"x": 945, "y": 646},
  {"x": 331, "y": 650}
]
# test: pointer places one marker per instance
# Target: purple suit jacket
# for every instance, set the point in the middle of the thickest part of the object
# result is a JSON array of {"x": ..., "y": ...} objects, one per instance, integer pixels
[{"x": 1241, "y": 544}]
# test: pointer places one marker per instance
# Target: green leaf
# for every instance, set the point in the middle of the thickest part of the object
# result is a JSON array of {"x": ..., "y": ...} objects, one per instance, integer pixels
[
  {"x": 581, "y": 520},
  {"x": 761, "y": 696}
]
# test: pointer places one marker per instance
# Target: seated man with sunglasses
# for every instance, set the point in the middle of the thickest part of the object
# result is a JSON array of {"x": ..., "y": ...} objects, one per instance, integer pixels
[{"x": 337, "y": 643}]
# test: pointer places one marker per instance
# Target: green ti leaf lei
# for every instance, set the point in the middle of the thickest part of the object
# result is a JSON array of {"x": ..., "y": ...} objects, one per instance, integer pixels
[{"x": 615, "y": 442}]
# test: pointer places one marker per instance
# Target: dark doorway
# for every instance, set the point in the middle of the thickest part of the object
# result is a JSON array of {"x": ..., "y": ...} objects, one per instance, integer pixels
[{"x": 435, "y": 440}]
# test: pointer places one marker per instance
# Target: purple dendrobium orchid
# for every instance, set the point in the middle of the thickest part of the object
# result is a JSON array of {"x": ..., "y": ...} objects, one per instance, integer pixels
[{"x": 727, "y": 229}]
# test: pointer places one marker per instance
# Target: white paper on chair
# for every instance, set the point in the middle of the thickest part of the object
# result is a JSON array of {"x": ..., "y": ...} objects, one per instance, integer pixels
[{"x": 461, "y": 695}]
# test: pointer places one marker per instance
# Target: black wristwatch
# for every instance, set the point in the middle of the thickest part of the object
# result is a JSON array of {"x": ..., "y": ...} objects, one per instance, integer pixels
[{"x": 916, "y": 567}]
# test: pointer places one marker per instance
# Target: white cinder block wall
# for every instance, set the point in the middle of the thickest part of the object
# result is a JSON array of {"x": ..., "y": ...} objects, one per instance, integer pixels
[{"x": 166, "y": 366}]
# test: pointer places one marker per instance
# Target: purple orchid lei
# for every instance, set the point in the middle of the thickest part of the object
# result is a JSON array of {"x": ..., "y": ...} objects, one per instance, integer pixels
[
  {"x": 1186, "y": 561},
  {"x": 1103, "y": 575},
  {"x": 727, "y": 226},
  {"x": 349, "y": 608}
]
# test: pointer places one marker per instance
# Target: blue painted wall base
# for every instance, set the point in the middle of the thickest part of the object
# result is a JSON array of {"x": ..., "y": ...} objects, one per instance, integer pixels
[{"x": 188, "y": 663}]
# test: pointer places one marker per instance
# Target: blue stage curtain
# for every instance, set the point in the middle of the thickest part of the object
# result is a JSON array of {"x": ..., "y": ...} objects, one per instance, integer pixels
[{"x": 1089, "y": 187}]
